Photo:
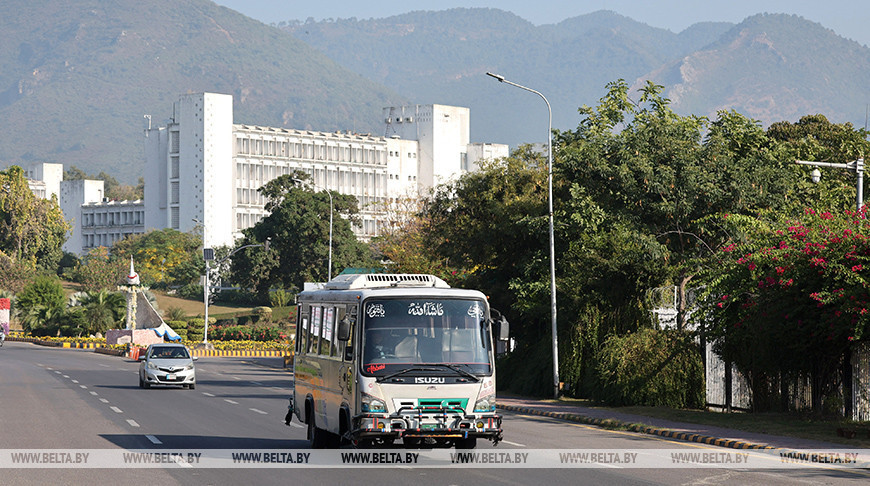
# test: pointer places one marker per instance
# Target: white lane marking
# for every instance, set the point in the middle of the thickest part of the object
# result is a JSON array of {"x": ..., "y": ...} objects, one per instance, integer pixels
[
  {"x": 514, "y": 443},
  {"x": 56, "y": 371},
  {"x": 116, "y": 410},
  {"x": 181, "y": 462},
  {"x": 75, "y": 381},
  {"x": 236, "y": 378},
  {"x": 93, "y": 393},
  {"x": 104, "y": 365},
  {"x": 207, "y": 394},
  {"x": 104, "y": 400},
  {"x": 258, "y": 411},
  {"x": 154, "y": 440},
  {"x": 83, "y": 386},
  {"x": 256, "y": 383},
  {"x": 230, "y": 401},
  {"x": 294, "y": 424},
  {"x": 132, "y": 423},
  {"x": 66, "y": 376}
]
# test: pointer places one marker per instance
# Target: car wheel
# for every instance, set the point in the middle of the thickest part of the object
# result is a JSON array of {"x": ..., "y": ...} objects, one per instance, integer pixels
[
  {"x": 192, "y": 386},
  {"x": 147, "y": 385},
  {"x": 141, "y": 382}
]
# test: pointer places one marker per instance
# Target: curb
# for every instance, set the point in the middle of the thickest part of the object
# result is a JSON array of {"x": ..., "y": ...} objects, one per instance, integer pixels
[{"x": 640, "y": 428}]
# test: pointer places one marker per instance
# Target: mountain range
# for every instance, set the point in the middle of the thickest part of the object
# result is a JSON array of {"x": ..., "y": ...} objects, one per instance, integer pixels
[{"x": 78, "y": 77}]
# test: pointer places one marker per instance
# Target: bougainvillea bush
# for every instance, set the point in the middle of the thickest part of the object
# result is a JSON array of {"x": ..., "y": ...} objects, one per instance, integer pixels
[{"x": 794, "y": 299}]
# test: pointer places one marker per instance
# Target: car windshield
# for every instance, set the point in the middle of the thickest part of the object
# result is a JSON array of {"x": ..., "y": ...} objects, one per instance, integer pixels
[
  {"x": 399, "y": 332},
  {"x": 169, "y": 352}
]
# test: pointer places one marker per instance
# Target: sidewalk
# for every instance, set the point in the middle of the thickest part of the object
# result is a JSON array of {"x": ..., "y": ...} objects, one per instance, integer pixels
[{"x": 705, "y": 434}]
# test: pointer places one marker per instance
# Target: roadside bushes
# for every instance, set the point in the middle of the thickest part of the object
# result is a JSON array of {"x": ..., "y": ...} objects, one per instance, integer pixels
[
  {"x": 247, "y": 333},
  {"x": 651, "y": 367},
  {"x": 195, "y": 329},
  {"x": 180, "y": 327}
]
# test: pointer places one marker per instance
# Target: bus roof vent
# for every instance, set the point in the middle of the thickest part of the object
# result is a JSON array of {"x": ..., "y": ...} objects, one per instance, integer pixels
[{"x": 381, "y": 280}]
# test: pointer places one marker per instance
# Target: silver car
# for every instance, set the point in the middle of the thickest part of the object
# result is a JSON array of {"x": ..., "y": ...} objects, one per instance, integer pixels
[{"x": 167, "y": 364}]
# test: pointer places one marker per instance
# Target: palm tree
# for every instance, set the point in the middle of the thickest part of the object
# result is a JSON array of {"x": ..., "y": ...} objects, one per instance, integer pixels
[{"x": 103, "y": 310}]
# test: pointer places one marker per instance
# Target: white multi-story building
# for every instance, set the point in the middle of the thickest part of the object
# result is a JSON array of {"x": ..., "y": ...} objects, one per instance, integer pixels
[
  {"x": 44, "y": 179},
  {"x": 73, "y": 195},
  {"x": 105, "y": 222},
  {"x": 203, "y": 169}
]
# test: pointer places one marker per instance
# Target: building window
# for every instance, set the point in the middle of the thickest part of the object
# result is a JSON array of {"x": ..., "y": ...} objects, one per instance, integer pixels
[
  {"x": 173, "y": 167},
  {"x": 173, "y": 142},
  {"x": 173, "y": 223},
  {"x": 173, "y": 198}
]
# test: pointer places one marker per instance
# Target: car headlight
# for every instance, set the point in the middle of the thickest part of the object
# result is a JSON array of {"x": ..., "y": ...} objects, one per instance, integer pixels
[
  {"x": 372, "y": 404},
  {"x": 485, "y": 404},
  {"x": 189, "y": 367},
  {"x": 151, "y": 366}
]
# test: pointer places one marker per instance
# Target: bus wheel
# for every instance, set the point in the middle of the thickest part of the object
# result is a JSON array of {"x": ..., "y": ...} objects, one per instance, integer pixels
[
  {"x": 316, "y": 437},
  {"x": 467, "y": 443}
]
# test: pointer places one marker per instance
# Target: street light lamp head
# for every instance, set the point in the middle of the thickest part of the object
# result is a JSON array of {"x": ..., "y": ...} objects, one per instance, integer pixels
[
  {"x": 816, "y": 175},
  {"x": 499, "y": 77}
]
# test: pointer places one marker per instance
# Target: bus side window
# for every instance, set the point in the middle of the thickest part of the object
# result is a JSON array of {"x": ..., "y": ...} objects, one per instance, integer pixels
[
  {"x": 326, "y": 332},
  {"x": 313, "y": 345},
  {"x": 336, "y": 344},
  {"x": 302, "y": 329}
]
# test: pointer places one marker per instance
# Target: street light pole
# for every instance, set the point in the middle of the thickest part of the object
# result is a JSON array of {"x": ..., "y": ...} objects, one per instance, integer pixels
[
  {"x": 207, "y": 256},
  {"x": 328, "y": 193},
  {"x": 501, "y": 79},
  {"x": 856, "y": 165}
]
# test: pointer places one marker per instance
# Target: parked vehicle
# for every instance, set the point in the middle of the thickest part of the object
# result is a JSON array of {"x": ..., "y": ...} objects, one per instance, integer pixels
[
  {"x": 167, "y": 364},
  {"x": 386, "y": 357}
]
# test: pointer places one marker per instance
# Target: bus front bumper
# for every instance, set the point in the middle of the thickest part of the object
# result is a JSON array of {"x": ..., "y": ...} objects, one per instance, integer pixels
[{"x": 400, "y": 426}]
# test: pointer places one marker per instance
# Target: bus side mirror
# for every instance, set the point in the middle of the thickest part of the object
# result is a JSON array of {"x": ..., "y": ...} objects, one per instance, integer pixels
[
  {"x": 344, "y": 329},
  {"x": 502, "y": 329}
]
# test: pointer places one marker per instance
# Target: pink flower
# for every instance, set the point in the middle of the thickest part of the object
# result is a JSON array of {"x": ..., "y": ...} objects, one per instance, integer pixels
[
  {"x": 780, "y": 270},
  {"x": 857, "y": 268},
  {"x": 752, "y": 266}
]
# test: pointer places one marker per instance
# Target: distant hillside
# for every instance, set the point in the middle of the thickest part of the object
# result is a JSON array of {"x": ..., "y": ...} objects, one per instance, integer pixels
[
  {"x": 773, "y": 67},
  {"x": 442, "y": 57},
  {"x": 769, "y": 67},
  {"x": 77, "y": 77}
]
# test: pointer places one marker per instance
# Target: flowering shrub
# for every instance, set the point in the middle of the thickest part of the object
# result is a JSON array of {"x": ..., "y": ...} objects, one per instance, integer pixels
[{"x": 795, "y": 298}]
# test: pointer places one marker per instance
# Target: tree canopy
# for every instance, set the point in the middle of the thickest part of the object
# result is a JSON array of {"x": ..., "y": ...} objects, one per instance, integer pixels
[
  {"x": 32, "y": 230},
  {"x": 298, "y": 229}
]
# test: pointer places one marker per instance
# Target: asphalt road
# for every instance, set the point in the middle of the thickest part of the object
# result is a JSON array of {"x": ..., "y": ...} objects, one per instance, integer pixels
[{"x": 73, "y": 399}]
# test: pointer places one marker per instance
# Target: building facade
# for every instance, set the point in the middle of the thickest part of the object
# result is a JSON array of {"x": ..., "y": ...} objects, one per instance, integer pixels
[{"x": 201, "y": 169}]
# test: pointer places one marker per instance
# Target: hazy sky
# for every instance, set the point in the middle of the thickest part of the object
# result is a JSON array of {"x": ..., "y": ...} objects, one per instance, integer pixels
[{"x": 848, "y": 18}]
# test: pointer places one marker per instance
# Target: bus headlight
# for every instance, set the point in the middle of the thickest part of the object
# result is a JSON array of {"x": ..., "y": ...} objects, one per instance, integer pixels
[
  {"x": 485, "y": 404},
  {"x": 372, "y": 404}
]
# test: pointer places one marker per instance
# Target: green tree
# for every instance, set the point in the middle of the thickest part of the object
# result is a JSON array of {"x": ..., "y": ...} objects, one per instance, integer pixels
[
  {"x": 31, "y": 229},
  {"x": 298, "y": 226},
  {"x": 14, "y": 274},
  {"x": 41, "y": 305},
  {"x": 98, "y": 271},
  {"x": 165, "y": 256}
]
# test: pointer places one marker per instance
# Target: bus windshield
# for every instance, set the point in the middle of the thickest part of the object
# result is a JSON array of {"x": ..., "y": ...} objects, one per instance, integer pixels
[{"x": 407, "y": 331}]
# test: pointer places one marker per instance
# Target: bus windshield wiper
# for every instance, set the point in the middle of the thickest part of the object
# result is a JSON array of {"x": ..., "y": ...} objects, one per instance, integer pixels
[
  {"x": 402, "y": 372},
  {"x": 456, "y": 369}
]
